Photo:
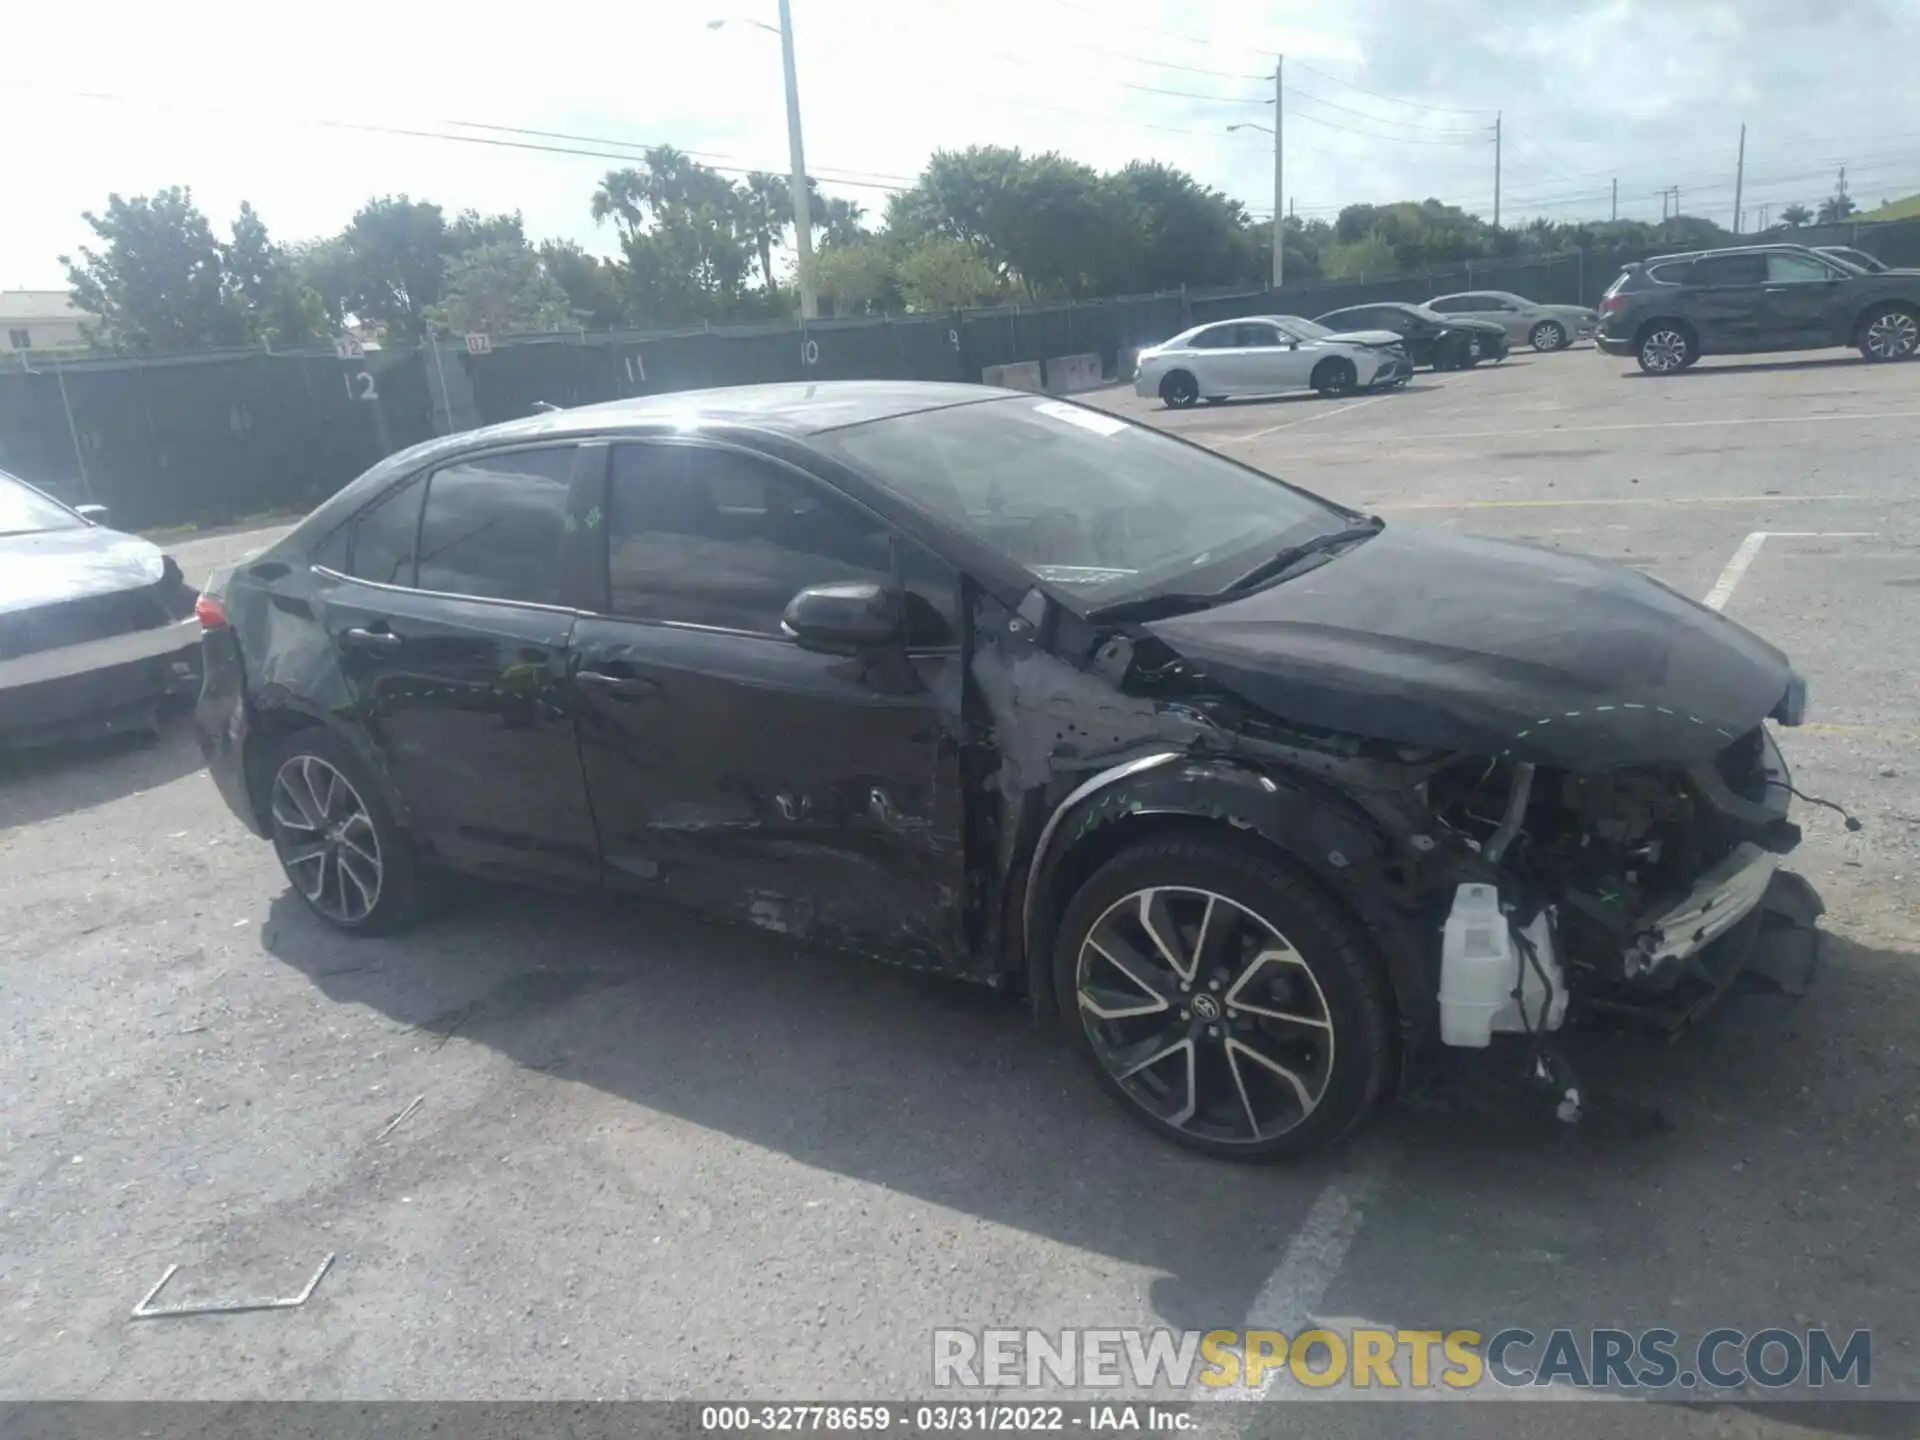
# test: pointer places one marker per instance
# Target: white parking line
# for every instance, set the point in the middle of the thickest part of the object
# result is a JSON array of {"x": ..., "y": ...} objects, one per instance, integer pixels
[
  {"x": 1426, "y": 437},
  {"x": 1723, "y": 588},
  {"x": 1318, "y": 415}
]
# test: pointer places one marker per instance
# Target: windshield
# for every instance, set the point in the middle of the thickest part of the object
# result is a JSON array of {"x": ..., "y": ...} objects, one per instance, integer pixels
[
  {"x": 24, "y": 510},
  {"x": 1084, "y": 500},
  {"x": 1303, "y": 329}
]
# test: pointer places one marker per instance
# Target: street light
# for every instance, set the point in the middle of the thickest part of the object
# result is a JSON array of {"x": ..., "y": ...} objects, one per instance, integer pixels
[
  {"x": 1279, "y": 202},
  {"x": 797, "y": 181}
]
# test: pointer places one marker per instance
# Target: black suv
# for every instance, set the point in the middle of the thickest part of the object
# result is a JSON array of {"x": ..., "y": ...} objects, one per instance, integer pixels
[{"x": 1671, "y": 310}]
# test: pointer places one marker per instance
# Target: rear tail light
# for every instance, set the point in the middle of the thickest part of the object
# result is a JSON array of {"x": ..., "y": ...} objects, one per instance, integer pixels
[
  {"x": 210, "y": 612},
  {"x": 1611, "y": 303}
]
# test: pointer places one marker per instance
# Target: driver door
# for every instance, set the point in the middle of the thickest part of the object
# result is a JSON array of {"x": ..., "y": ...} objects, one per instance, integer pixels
[
  {"x": 733, "y": 771},
  {"x": 1265, "y": 360}
]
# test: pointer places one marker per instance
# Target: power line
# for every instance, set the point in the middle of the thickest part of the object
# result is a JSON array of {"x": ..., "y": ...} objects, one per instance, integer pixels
[
  {"x": 1295, "y": 92},
  {"x": 1480, "y": 137},
  {"x": 1394, "y": 99}
]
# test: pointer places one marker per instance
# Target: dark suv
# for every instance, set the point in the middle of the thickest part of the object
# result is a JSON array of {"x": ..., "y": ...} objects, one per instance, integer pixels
[{"x": 1670, "y": 311}]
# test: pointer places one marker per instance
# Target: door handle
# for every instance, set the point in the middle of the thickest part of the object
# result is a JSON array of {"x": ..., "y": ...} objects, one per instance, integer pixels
[{"x": 360, "y": 638}]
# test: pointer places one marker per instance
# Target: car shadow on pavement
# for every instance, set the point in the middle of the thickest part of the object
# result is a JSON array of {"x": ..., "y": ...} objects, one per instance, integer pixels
[
  {"x": 48, "y": 781},
  {"x": 1756, "y": 367},
  {"x": 1308, "y": 397},
  {"x": 952, "y": 1095}
]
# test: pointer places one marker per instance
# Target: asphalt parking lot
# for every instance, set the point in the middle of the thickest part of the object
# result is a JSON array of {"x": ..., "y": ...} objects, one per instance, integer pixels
[{"x": 652, "y": 1159}]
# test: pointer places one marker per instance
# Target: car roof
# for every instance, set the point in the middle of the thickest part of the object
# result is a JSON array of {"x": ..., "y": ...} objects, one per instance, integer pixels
[
  {"x": 1729, "y": 250},
  {"x": 789, "y": 408}
]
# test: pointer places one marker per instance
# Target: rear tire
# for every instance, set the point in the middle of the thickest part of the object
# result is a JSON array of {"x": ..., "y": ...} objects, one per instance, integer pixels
[
  {"x": 338, "y": 843},
  {"x": 1335, "y": 376},
  {"x": 1548, "y": 336},
  {"x": 1179, "y": 390},
  {"x": 1665, "y": 348},
  {"x": 1281, "y": 1041},
  {"x": 1889, "y": 333}
]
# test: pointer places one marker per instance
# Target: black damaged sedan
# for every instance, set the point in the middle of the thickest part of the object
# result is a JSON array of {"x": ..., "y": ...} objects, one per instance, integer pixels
[{"x": 1262, "y": 798}]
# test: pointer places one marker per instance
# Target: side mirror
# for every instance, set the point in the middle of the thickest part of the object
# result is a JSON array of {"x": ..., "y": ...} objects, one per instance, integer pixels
[
  {"x": 842, "y": 619},
  {"x": 93, "y": 514}
]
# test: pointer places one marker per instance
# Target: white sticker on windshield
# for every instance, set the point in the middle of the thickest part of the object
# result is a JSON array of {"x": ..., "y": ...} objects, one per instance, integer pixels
[{"x": 1086, "y": 419}]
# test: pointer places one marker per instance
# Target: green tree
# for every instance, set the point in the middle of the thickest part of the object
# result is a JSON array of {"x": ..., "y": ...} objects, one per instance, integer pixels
[
  {"x": 1795, "y": 215},
  {"x": 842, "y": 222},
  {"x": 158, "y": 282},
  {"x": 501, "y": 288},
  {"x": 939, "y": 272},
  {"x": 1837, "y": 207},
  {"x": 592, "y": 285},
  {"x": 282, "y": 308},
  {"x": 853, "y": 276},
  {"x": 1174, "y": 231},
  {"x": 765, "y": 209},
  {"x": 1368, "y": 257},
  {"x": 390, "y": 261}
]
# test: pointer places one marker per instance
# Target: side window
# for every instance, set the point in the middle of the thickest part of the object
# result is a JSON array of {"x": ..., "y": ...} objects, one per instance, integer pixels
[
  {"x": 1217, "y": 337},
  {"x": 383, "y": 534},
  {"x": 1678, "y": 274},
  {"x": 1784, "y": 268},
  {"x": 1492, "y": 302},
  {"x": 1256, "y": 337},
  {"x": 1451, "y": 304},
  {"x": 493, "y": 526},
  {"x": 708, "y": 536},
  {"x": 1728, "y": 270}
]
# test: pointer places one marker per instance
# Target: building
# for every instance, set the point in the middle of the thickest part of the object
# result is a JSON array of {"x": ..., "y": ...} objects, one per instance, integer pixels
[{"x": 39, "y": 320}]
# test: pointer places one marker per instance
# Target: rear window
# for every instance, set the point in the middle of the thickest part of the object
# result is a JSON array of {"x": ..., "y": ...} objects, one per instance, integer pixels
[{"x": 1728, "y": 270}]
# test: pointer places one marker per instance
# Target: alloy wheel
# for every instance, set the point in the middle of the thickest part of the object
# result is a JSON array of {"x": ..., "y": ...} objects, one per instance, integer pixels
[
  {"x": 1893, "y": 335},
  {"x": 1204, "y": 1014},
  {"x": 1664, "y": 351},
  {"x": 1548, "y": 336},
  {"x": 327, "y": 840}
]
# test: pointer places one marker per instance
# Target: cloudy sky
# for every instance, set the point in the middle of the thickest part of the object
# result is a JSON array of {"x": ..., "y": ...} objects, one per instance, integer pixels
[{"x": 293, "y": 110}]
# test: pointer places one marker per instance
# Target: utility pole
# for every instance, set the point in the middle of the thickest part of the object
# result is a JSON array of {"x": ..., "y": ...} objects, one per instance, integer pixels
[
  {"x": 1496, "y": 169},
  {"x": 1739, "y": 177},
  {"x": 1279, "y": 177},
  {"x": 1616, "y": 199},
  {"x": 802, "y": 202}
]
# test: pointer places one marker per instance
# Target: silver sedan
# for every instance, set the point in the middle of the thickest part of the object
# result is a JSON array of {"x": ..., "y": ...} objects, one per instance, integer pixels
[{"x": 1544, "y": 327}]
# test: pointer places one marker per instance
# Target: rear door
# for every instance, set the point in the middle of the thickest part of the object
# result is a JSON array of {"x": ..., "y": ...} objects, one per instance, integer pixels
[
  {"x": 1801, "y": 302},
  {"x": 450, "y": 628},
  {"x": 732, "y": 770},
  {"x": 1723, "y": 298}
]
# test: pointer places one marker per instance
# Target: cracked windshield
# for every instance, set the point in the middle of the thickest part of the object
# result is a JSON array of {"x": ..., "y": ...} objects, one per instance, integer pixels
[{"x": 935, "y": 720}]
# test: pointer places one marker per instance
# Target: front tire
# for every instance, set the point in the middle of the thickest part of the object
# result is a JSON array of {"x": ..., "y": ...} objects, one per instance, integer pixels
[
  {"x": 338, "y": 843},
  {"x": 1890, "y": 332},
  {"x": 1223, "y": 999},
  {"x": 1548, "y": 336},
  {"x": 1334, "y": 377},
  {"x": 1665, "y": 349},
  {"x": 1179, "y": 390}
]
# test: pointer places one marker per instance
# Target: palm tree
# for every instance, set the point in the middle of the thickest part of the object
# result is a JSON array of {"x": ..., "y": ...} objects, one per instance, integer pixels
[
  {"x": 840, "y": 222},
  {"x": 665, "y": 178},
  {"x": 621, "y": 195},
  {"x": 763, "y": 208},
  {"x": 1836, "y": 207},
  {"x": 1795, "y": 215}
]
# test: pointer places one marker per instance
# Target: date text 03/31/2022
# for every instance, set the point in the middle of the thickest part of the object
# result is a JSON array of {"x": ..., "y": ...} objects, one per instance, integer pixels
[{"x": 940, "y": 1419}]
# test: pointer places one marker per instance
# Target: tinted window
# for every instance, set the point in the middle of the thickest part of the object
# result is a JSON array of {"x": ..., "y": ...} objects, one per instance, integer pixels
[
  {"x": 1217, "y": 337},
  {"x": 493, "y": 526},
  {"x": 1489, "y": 302},
  {"x": 714, "y": 537},
  {"x": 1728, "y": 270},
  {"x": 1255, "y": 336},
  {"x": 1675, "y": 274},
  {"x": 383, "y": 536},
  {"x": 1790, "y": 269},
  {"x": 1451, "y": 304}
]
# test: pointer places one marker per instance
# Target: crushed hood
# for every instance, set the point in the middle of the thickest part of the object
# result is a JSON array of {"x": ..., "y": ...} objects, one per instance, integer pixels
[
  {"x": 1434, "y": 638},
  {"x": 48, "y": 566}
]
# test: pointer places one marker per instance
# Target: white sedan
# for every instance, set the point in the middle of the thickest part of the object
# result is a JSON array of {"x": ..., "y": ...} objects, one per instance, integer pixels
[{"x": 1269, "y": 355}]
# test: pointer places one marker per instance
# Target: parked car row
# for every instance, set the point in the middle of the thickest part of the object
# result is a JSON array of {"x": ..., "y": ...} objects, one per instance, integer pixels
[
  {"x": 1669, "y": 311},
  {"x": 1363, "y": 347}
]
